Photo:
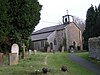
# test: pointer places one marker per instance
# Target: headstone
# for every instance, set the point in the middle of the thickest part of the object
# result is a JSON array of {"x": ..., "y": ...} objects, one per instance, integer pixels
[
  {"x": 30, "y": 52},
  {"x": 14, "y": 55},
  {"x": 15, "y": 49},
  {"x": 23, "y": 51},
  {"x": 35, "y": 51},
  {"x": 48, "y": 49},
  {"x": 13, "y": 60},
  {"x": 72, "y": 50},
  {"x": 1, "y": 58},
  {"x": 62, "y": 49}
]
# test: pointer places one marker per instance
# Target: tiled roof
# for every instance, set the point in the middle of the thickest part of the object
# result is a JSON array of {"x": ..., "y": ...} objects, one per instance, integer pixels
[
  {"x": 49, "y": 29},
  {"x": 42, "y": 36},
  {"x": 45, "y": 32}
]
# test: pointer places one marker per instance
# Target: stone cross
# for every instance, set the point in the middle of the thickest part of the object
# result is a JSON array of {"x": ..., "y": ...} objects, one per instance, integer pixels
[
  {"x": 23, "y": 51},
  {"x": 67, "y": 12}
]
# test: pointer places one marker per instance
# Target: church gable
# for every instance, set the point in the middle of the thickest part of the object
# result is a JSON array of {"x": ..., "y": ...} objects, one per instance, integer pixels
[{"x": 73, "y": 35}]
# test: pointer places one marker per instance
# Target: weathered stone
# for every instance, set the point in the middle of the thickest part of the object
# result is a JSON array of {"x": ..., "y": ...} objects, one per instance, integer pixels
[
  {"x": 48, "y": 49},
  {"x": 62, "y": 49},
  {"x": 13, "y": 60},
  {"x": 1, "y": 58},
  {"x": 30, "y": 52},
  {"x": 94, "y": 47},
  {"x": 35, "y": 51},
  {"x": 23, "y": 52},
  {"x": 15, "y": 49}
]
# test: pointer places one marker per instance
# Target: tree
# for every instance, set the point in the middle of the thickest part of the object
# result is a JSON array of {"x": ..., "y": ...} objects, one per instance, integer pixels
[
  {"x": 89, "y": 24},
  {"x": 80, "y": 23},
  {"x": 4, "y": 24},
  {"x": 97, "y": 26},
  {"x": 92, "y": 24},
  {"x": 24, "y": 15}
]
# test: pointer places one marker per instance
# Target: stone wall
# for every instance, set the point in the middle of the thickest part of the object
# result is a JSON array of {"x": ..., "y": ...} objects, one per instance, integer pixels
[
  {"x": 73, "y": 34},
  {"x": 94, "y": 47}
]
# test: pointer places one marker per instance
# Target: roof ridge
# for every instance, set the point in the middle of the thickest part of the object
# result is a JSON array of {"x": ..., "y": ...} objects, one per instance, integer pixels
[{"x": 49, "y": 29}]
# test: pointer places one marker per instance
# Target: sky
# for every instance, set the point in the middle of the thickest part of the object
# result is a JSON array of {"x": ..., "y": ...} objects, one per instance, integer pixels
[{"x": 53, "y": 10}]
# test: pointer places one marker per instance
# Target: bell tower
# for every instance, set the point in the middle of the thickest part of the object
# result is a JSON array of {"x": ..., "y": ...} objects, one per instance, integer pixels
[{"x": 67, "y": 18}]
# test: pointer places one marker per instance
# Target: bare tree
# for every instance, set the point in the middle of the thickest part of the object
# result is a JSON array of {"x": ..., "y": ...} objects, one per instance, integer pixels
[{"x": 80, "y": 23}]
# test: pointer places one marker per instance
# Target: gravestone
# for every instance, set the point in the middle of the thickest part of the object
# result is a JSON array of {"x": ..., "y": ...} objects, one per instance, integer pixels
[
  {"x": 35, "y": 51},
  {"x": 14, "y": 55},
  {"x": 72, "y": 50},
  {"x": 30, "y": 51},
  {"x": 62, "y": 50},
  {"x": 15, "y": 49},
  {"x": 48, "y": 49},
  {"x": 13, "y": 60},
  {"x": 23, "y": 51},
  {"x": 1, "y": 58}
]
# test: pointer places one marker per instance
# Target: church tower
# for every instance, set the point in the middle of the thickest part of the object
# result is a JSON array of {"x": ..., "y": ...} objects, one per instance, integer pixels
[{"x": 67, "y": 18}]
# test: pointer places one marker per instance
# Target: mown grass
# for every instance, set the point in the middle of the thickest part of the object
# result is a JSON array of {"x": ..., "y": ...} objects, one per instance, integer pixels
[
  {"x": 85, "y": 55},
  {"x": 54, "y": 62}
]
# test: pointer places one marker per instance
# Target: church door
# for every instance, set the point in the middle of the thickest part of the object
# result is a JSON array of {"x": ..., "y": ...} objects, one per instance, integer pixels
[{"x": 51, "y": 45}]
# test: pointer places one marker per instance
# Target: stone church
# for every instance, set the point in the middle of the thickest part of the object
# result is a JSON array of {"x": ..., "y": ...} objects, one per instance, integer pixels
[{"x": 67, "y": 35}]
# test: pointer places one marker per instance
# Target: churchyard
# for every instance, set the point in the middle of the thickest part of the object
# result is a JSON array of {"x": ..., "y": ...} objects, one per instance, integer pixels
[{"x": 35, "y": 62}]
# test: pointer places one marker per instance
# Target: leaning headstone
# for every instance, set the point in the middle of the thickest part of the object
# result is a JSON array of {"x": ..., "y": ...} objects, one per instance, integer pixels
[
  {"x": 23, "y": 51},
  {"x": 1, "y": 58},
  {"x": 13, "y": 60}
]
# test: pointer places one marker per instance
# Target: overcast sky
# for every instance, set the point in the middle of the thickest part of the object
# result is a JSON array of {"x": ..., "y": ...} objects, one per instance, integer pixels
[{"x": 53, "y": 10}]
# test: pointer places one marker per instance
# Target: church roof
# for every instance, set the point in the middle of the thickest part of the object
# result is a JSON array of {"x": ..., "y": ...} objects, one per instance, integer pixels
[
  {"x": 49, "y": 29},
  {"x": 42, "y": 34}
]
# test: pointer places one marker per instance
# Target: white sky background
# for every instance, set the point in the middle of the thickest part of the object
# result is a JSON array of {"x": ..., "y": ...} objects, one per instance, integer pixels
[{"x": 53, "y": 10}]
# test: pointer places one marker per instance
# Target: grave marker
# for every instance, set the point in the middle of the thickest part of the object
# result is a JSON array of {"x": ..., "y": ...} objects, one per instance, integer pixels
[
  {"x": 1, "y": 58},
  {"x": 14, "y": 55},
  {"x": 15, "y": 49},
  {"x": 23, "y": 52},
  {"x": 13, "y": 60}
]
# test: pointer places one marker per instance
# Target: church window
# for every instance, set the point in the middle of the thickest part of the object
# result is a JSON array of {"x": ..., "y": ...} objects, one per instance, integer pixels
[
  {"x": 51, "y": 45},
  {"x": 42, "y": 43},
  {"x": 55, "y": 43}
]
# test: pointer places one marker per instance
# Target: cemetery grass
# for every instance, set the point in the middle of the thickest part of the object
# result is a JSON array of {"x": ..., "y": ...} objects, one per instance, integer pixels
[
  {"x": 53, "y": 61},
  {"x": 85, "y": 55}
]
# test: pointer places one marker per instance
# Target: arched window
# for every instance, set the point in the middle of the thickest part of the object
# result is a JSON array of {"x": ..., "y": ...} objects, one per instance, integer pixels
[{"x": 55, "y": 42}]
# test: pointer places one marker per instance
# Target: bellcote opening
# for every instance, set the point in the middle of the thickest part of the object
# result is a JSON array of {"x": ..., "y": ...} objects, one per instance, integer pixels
[{"x": 67, "y": 18}]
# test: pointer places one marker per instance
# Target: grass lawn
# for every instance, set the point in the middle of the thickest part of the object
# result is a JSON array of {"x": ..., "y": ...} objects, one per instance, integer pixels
[
  {"x": 85, "y": 55},
  {"x": 53, "y": 61}
]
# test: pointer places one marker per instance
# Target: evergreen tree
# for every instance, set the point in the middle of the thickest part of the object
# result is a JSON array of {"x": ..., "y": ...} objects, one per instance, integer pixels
[
  {"x": 19, "y": 20},
  {"x": 4, "y": 25},
  {"x": 97, "y": 26},
  {"x": 25, "y": 15},
  {"x": 89, "y": 25}
]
